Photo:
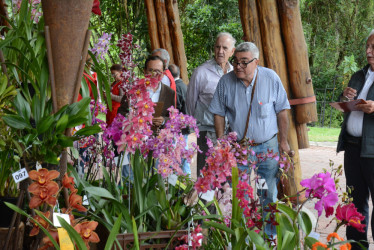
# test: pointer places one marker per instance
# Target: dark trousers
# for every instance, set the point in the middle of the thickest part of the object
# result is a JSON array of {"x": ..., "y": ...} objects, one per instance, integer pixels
[
  {"x": 202, "y": 143},
  {"x": 359, "y": 173}
]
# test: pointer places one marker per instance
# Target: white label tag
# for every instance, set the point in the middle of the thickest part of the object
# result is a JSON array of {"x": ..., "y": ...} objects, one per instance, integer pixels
[
  {"x": 85, "y": 200},
  {"x": 172, "y": 179},
  {"x": 208, "y": 196},
  {"x": 56, "y": 222},
  {"x": 314, "y": 235},
  {"x": 261, "y": 184},
  {"x": 20, "y": 175},
  {"x": 38, "y": 166}
]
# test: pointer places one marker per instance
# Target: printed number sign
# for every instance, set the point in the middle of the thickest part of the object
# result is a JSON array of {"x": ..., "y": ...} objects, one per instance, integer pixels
[{"x": 20, "y": 175}]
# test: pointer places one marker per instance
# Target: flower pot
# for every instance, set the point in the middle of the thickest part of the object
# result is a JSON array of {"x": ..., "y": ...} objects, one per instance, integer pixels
[
  {"x": 152, "y": 240},
  {"x": 5, "y": 211},
  {"x": 18, "y": 241},
  {"x": 68, "y": 23}
]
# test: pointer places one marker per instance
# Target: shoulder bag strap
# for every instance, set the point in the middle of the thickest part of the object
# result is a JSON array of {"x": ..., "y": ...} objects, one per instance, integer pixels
[{"x": 250, "y": 107}]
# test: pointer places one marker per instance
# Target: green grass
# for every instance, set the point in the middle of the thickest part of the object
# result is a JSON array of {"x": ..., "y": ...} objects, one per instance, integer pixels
[{"x": 323, "y": 134}]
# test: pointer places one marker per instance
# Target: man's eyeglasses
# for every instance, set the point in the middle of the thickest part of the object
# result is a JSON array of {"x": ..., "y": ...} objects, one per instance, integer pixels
[
  {"x": 154, "y": 72},
  {"x": 242, "y": 64}
]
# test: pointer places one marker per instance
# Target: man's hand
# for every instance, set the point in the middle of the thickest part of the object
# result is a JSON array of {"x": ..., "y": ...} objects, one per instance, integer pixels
[
  {"x": 284, "y": 148},
  {"x": 368, "y": 108},
  {"x": 158, "y": 121},
  {"x": 349, "y": 93}
]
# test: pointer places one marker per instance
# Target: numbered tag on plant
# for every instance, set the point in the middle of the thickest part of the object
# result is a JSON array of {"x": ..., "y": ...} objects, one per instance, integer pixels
[
  {"x": 56, "y": 222},
  {"x": 261, "y": 184},
  {"x": 172, "y": 179},
  {"x": 64, "y": 239},
  {"x": 38, "y": 166},
  {"x": 208, "y": 196},
  {"x": 20, "y": 175}
]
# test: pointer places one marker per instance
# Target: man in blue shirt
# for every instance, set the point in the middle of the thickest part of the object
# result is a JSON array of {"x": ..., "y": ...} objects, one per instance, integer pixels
[{"x": 268, "y": 119}]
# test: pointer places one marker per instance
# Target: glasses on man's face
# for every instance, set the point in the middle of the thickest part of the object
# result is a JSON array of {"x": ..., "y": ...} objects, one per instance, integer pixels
[
  {"x": 242, "y": 64},
  {"x": 154, "y": 72}
]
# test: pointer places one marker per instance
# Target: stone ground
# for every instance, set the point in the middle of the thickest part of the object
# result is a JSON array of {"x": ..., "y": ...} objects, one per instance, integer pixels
[{"x": 313, "y": 160}]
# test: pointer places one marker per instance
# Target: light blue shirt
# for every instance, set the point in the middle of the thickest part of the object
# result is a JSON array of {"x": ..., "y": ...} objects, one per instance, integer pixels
[
  {"x": 232, "y": 99},
  {"x": 200, "y": 92}
]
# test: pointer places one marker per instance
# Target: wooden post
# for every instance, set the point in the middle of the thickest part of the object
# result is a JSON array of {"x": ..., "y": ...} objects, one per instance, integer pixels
[
  {"x": 251, "y": 26},
  {"x": 163, "y": 28},
  {"x": 276, "y": 60},
  {"x": 177, "y": 38},
  {"x": 297, "y": 57},
  {"x": 152, "y": 24}
]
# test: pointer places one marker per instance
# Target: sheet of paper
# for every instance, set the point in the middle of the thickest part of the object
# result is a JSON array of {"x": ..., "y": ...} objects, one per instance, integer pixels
[{"x": 56, "y": 222}]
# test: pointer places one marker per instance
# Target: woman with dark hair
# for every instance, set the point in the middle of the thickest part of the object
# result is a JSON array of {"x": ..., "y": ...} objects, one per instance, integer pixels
[{"x": 116, "y": 92}]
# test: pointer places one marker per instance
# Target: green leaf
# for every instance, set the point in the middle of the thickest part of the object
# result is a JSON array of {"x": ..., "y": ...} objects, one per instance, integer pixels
[
  {"x": 22, "y": 106},
  {"x": 287, "y": 240},
  {"x": 101, "y": 192},
  {"x": 16, "y": 121},
  {"x": 219, "y": 226},
  {"x": 136, "y": 238},
  {"x": 44, "y": 124},
  {"x": 309, "y": 241},
  {"x": 65, "y": 141},
  {"x": 18, "y": 210},
  {"x": 287, "y": 210},
  {"x": 113, "y": 233},
  {"x": 89, "y": 130},
  {"x": 305, "y": 222},
  {"x": 62, "y": 123},
  {"x": 74, "y": 236}
]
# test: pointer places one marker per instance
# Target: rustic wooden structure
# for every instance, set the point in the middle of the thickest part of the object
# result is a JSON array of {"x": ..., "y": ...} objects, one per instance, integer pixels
[
  {"x": 165, "y": 31},
  {"x": 278, "y": 34}
]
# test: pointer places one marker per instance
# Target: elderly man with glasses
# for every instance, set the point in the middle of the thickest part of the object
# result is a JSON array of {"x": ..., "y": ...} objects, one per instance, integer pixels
[{"x": 255, "y": 103}]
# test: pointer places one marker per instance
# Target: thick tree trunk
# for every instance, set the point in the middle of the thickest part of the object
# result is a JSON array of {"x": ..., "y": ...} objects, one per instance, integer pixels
[
  {"x": 177, "y": 38},
  {"x": 275, "y": 59},
  {"x": 152, "y": 24},
  {"x": 297, "y": 58},
  {"x": 251, "y": 26},
  {"x": 163, "y": 28}
]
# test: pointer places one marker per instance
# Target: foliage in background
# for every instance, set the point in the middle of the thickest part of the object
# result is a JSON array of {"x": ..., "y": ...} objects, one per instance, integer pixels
[
  {"x": 201, "y": 21},
  {"x": 335, "y": 32}
]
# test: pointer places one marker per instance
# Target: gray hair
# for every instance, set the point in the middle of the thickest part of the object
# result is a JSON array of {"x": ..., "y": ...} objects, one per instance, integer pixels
[
  {"x": 221, "y": 34},
  {"x": 370, "y": 34},
  {"x": 248, "y": 47},
  {"x": 164, "y": 55}
]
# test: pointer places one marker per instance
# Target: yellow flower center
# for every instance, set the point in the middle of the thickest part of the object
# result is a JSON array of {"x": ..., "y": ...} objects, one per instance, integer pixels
[
  {"x": 41, "y": 180},
  {"x": 140, "y": 120},
  {"x": 134, "y": 139},
  {"x": 87, "y": 233},
  {"x": 146, "y": 106}
]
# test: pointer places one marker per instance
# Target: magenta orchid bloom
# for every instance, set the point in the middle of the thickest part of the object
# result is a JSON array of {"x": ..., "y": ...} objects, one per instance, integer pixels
[{"x": 322, "y": 187}]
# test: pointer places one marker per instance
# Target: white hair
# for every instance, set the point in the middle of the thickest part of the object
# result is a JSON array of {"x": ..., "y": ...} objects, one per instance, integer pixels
[
  {"x": 221, "y": 34},
  {"x": 164, "y": 55},
  {"x": 370, "y": 34},
  {"x": 248, "y": 47}
]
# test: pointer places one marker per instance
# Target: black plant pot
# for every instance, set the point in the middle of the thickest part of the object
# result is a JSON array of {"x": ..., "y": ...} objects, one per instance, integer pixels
[{"x": 5, "y": 212}]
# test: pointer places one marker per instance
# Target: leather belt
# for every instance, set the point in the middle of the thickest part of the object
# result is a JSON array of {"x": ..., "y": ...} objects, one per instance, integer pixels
[{"x": 254, "y": 144}]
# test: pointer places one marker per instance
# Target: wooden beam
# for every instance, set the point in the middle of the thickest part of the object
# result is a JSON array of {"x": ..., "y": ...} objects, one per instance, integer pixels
[
  {"x": 152, "y": 24},
  {"x": 275, "y": 59},
  {"x": 163, "y": 28},
  {"x": 177, "y": 38},
  {"x": 250, "y": 24},
  {"x": 297, "y": 58}
]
